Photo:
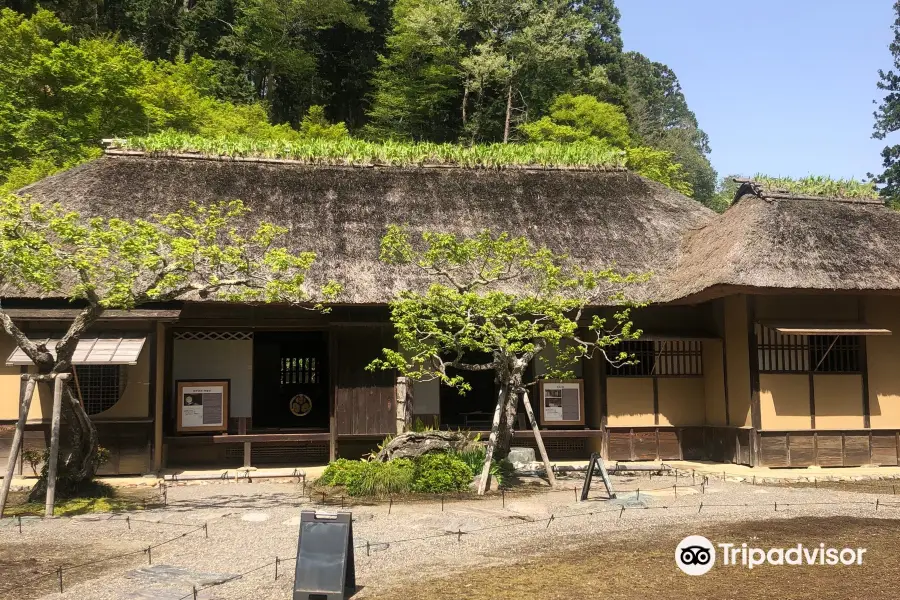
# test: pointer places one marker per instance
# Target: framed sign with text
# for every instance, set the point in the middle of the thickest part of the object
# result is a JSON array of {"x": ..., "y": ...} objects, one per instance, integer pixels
[
  {"x": 562, "y": 402},
  {"x": 202, "y": 405}
]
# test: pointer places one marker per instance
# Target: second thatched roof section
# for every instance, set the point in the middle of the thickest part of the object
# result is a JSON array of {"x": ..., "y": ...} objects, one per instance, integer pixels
[
  {"x": 784, "y": 241},
  {"x": 599, "y": 218}
]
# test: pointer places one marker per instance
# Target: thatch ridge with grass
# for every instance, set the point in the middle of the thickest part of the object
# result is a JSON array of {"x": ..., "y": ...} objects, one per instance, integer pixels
[
  {"x": 599, "y": 218},
  {"x": 357, "y": 152}
]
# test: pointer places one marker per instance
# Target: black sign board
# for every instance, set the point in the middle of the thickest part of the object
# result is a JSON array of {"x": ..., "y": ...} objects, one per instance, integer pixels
[
  {"x": 325, "y": 569},
  {"x": 597, "y": 465}
]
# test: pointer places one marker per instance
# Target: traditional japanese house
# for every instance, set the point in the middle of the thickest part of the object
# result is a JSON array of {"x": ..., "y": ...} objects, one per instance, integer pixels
[{"x": 768, "y": 337}]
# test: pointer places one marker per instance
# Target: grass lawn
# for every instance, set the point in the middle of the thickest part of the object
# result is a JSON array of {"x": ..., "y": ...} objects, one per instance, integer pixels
[
  {"x": 111, "y": 500},
  {"x": 646, "y": 568}
]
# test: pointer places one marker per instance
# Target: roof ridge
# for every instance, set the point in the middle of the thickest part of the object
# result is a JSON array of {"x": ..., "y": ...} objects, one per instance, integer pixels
[{"x": 366, "y": 165}]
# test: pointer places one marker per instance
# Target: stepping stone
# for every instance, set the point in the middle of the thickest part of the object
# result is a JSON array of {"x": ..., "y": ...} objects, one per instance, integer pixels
[{"x": 168, "y": 574}]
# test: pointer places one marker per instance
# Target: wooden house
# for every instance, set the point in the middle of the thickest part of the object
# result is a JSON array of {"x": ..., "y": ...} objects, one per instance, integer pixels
[{"x": 768, "y": 337}]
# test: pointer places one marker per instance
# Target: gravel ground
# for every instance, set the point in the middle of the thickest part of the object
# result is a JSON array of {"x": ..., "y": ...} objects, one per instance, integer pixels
[{"x": 248, "y": 525}]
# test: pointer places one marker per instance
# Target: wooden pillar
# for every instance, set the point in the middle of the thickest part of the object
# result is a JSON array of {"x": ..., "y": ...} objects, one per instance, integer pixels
[
  {"x": 159, "y": 384},
  {"x": 24, "y": 406},
  {"x": 332, "y": 396},
  {"x": 404, "y": 405},
  {"x": 755, "y": 411}
]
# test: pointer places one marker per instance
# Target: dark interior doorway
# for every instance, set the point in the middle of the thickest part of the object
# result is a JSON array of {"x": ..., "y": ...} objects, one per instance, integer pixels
[
  {"x": 290, "y": 380},
  {"x": 474, "y": 410}
]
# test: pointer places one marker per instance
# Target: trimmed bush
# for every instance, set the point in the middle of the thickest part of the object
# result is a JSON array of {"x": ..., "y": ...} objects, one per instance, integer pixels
[
  {"x": 341, "y": 472},
  {"x": 438, "y": 473}
]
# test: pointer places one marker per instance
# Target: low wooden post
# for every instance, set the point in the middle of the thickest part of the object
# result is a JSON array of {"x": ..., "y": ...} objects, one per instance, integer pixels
[
  {"x": 53, "y": 462},
  {"x": 404, "y": 406},
  {"x": 540, "y": 442},
  {"x": 24, "y": 407},
  {"x": 492, "y": 442}
]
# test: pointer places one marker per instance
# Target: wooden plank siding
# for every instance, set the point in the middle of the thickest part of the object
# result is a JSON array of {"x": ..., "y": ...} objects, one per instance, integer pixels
[
  {"x": 849, "y": 448},
  {"x": 364, "y": 401}
]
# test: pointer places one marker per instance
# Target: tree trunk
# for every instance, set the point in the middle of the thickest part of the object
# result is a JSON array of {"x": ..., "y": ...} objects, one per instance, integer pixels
[
  {"x": 15, "y": 449},
  {"x": 465, "y": 102},
  {"x": 507, "y": 424},
  {"x": 492, "y": 441},
  {"x": 508, "y": 114}
]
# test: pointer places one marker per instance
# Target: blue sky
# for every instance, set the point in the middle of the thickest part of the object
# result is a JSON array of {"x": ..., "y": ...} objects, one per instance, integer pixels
[{"x": 782, "y": 87}]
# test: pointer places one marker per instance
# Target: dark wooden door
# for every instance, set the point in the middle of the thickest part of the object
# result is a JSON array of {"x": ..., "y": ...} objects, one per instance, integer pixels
[
  {"x": 363, "y": 400},
  {"x": 290, "y": 378}
]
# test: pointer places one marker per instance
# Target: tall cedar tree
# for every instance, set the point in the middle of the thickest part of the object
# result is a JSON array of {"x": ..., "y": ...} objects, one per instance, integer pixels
[{"x": 887, "y": 119}]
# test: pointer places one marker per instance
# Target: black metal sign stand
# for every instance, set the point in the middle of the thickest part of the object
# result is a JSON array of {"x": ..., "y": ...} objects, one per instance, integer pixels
[
  {"x": 325, "y": 568},
  {"x": 598, "y": 464}
]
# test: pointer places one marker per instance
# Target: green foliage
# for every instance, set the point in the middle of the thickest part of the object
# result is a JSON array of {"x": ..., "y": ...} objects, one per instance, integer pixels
[
  {"x": 501, "y": 471},
  {"x": 361, "y": 152},
  {"x": 382, "y": 478},
  {"x": 341, "y": 472},
  {"x": 816, "y": 185},
  {"x": 114, "y": 263},
  {"x": 580, "y": 118},
  {"x": 659, "y": 165},
  {"x": 660, "y": 118},
  {"x": 470, "y": 307},
  {"x": 315, "y": 126},
  {"x": 440, "y": 473},
  {"x": 416, "y": 84},
  {"x": 887, "y": 119}
]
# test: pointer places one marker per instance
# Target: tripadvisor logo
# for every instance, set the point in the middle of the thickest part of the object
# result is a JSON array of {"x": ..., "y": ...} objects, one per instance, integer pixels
[{"x": 696, "y": 555}]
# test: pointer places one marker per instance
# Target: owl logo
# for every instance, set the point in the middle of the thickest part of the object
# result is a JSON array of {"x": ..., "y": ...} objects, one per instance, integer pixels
[{"x": 300, "y": 405}]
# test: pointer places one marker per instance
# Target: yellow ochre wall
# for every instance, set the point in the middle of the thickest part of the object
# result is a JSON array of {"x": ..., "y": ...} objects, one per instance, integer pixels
[
  {"x": 714, "y": 382},
  {"x": 738, "y": 360},
  {"x": 839, "y": 402},
  {"x": 681, "y": 401},
  {"x": 784, "y": 398},
  {"x": 629, "y": 401},
  {"x": 883, "y": 358},
  {"x": 134, "y": 403},
  {"x": 784, "y": 401}
]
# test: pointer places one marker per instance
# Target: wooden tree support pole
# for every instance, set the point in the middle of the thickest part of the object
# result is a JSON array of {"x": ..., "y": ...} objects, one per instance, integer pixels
[
  {"x": 53, "y": 462},
  {"x": 404, "y": 410},
  {"x": 492, "y": 442},
  {"x": 24, "y": 407},
  {"x": 540, "y": 442}
]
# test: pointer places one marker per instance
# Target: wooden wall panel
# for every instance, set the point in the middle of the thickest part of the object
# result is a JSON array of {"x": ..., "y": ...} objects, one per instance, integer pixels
[
  {"x": 364, "y": 401},
  {"x": 645, "y": 447},
  {"x": 884, "y": 448},
  {"x": 669, "y": 446},
  {"x": 773, "y": 450},
  {"x": 691, "y": 439},
  {"x": 856, "y": 450},
  {"x": 830, "y": 450},
  {"x": 619, "y": 445},
  {"x": 803, "y": 450}
]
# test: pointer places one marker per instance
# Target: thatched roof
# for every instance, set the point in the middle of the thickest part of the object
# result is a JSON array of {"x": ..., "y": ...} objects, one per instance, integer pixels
[
  {"x": 599, "y": 218},
  {"x": 769, "y": 239}
]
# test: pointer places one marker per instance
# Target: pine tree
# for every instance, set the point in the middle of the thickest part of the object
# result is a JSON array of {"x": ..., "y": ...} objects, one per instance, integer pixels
[{"x": 887, "y": 119}]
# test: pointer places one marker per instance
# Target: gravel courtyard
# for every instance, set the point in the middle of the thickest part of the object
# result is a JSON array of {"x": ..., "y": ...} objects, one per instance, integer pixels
[{"x": 412, "y": 545}]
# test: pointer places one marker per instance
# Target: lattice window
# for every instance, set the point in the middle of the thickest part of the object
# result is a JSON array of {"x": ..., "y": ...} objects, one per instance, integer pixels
[
  {"x": 779, "y": 353},
  {"x": 101, "y": 386},
  {"x": 214, "y": 335},
  {"x": 666, "y": 358},
  {"x": 300, "y": 370}
]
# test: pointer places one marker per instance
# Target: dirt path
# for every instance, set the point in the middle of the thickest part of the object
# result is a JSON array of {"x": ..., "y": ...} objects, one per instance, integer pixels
[{"x": 638, "y": 569}]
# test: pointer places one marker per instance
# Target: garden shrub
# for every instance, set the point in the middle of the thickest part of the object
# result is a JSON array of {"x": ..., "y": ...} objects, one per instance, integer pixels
[
  {"x": 382, "y": 478},
  {"x": 438, "y": 473},
  {"x": 341, "y": 472}
]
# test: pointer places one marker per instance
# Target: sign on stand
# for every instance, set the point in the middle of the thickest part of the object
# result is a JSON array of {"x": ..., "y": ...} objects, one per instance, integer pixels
[{"x": 325, "y": 568}]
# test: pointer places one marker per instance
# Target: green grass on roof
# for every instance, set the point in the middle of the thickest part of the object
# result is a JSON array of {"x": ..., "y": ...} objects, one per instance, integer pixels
[
  {"x": 360, "y": 152},
  {"x": 813, "y": 185}
]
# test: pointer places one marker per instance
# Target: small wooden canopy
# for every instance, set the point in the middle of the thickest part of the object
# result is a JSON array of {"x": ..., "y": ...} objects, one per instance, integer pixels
[
  {"x": 90, "y": 351},
  {"x": 834, "y": 328}
]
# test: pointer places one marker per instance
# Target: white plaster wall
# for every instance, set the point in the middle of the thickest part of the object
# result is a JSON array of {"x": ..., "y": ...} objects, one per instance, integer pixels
[{"x": 218, "y": 359}]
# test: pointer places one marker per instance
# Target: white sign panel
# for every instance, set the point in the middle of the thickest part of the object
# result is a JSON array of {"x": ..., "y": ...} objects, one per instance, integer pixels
[
  {"x": 562, "y": 402},
  {"x": 202, "y": 405}
]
